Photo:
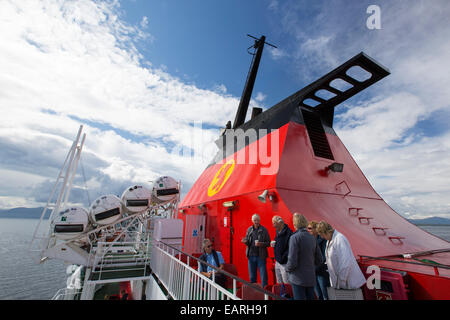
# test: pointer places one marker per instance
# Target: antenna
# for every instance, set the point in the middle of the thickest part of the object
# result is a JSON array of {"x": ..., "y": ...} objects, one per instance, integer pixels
[
  {"x": 265, "y": 42},
  {"x": 250, "y": 82}
]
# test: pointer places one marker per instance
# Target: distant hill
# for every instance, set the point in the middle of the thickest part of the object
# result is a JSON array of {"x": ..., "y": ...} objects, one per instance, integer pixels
[
  {"x": 433, "y": 221},
  {"x": 24, "y": 213}
]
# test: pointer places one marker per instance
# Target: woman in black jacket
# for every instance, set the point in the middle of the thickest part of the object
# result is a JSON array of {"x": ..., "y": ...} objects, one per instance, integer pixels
[{"x": 322, "y": 276}]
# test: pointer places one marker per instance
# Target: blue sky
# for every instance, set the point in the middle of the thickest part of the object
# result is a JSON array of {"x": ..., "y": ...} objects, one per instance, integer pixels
[
  {"x": 204, "y": 42},
  {"x": 141, "y": 75}
]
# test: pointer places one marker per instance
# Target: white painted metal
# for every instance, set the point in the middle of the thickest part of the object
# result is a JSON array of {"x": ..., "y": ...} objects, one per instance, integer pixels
[
  {"x": 169, "y": 231},
  {"x": 195, "y": 233},
  {"x": 103, "y": 204},
  {"x": 66, "y": 294},
  {"x": 125, "y": 249},
  {"x": 182, "y": 281},
  {"x": 67, "y": 218},
  {"x": 136, "y": 193},
  {"x": 42, "y": 237}
]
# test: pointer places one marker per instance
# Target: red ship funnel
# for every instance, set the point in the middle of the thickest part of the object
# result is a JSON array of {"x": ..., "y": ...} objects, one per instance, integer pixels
[{"x": 292, "y": 153}]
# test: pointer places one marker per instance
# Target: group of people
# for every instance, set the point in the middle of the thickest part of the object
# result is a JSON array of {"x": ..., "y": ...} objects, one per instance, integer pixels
[{"x": 311, "y": 258}]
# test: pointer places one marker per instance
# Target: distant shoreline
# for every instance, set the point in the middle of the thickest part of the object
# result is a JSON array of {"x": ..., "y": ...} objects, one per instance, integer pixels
[
  {"x": 35, "y": 218},
  {"x": 430, "y": 225}
]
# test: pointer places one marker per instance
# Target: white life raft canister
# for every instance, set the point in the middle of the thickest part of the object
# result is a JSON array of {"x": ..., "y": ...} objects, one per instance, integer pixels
[
  {"x": 165, "y": 189},
  {"x": 70, "y": 223},
  {"x": 136, "y": 199},
  {"x": 105, "y": 210}
]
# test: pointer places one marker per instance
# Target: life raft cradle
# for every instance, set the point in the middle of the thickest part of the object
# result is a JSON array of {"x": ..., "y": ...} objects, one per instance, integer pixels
[{"x": 421, "y": 262}]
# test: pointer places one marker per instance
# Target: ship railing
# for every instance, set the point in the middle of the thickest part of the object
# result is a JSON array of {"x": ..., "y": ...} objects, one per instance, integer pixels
[
  {"x": 118, "y": 238},
  {"x": 116, "y": 230},
  {"x": 182, "y": 281},
  {"x": 121, "y": 259},
  {"x": 67, "y": 294},
  {"x": 403, "y": 259},
  {"x": 123, "y": 228}
]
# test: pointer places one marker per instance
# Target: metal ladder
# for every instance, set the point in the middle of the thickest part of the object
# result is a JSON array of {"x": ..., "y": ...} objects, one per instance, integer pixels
[{"x": 42, "y": 236}]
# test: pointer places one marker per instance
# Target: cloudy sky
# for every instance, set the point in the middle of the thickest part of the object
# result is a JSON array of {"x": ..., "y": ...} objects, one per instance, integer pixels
[{"x": 153, "y": 81}]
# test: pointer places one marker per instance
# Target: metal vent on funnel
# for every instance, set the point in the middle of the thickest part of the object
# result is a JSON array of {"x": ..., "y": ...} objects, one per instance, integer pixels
[{"x": 317, "y": 135}]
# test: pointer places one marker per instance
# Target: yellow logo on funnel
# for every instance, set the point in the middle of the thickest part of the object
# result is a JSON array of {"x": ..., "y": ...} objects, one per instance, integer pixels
[{"x": 221, "y": 177}]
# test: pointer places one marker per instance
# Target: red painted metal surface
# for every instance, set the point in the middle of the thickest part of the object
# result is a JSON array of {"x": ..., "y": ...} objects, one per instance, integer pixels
[
  {"x": 244, "y": 178},
  {"x": 346, "y": 200},
  {"x": 125, "y": 286},
  {"x": 423, "y": 283},
  {"x": 393, "y": 285}
]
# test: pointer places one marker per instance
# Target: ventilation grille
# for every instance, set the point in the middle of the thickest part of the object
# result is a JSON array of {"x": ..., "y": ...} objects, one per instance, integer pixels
[
  {"x": 137, "y": 203},
  {"x": 317, "y": 135},
  {"x": 107, "y": 214},
  {"x": 166, "y": 192},
  {"x": 68, "y": 228}
]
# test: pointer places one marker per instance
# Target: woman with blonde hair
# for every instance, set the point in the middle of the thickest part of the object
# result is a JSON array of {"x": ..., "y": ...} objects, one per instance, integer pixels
[
  {"x": 342, "y": 266},
  {"x": 303, "y": 254}
]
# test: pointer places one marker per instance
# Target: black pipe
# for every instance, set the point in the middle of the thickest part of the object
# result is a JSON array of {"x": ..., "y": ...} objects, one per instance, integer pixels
[{"x": 247, "y": 93}]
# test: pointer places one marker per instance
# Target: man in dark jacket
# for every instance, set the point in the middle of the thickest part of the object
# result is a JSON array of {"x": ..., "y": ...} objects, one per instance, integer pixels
[
  {"x": 281, "y": 248},
  {"x": 304, "y": 255},
  {"x": 257, "y": 240}
]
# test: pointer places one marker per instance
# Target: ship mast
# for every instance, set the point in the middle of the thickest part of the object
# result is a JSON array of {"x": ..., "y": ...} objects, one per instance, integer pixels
[{"x": 251, "y": 77}]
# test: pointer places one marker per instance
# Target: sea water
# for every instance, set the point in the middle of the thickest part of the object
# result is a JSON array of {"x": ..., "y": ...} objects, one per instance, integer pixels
[
  {"x": 442, "y": 232},
  {"x": 22, "y": 278}
]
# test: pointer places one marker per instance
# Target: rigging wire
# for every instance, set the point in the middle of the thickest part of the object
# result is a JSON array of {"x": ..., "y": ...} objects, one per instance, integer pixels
[{"x": 85, "y": 183}]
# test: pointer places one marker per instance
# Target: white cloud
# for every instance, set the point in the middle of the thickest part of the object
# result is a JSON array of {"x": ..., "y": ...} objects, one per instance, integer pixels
[
  {"x": 62, "y": 62},
  {"x": 66, "y": 60},
  {"x": 273, "y": 5},
  {"x": 10, "y": 202},
  {"x": 221, "y": 89},
  {"x": 144, "y": 22},
  {"x": 277, "y": 53},
  {"x": 392, "y": 134},
  {"x": 317, "y": 48},
  {"x": 376, "y": 125},
  {"x": 260, "y": 97}
]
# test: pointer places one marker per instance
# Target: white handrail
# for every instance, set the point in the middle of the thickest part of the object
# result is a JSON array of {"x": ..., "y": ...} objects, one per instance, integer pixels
[
  {"x": 182, "y": 281},
  {"x": 62, "y": 293},
  {"x": 134, "y": 255}
]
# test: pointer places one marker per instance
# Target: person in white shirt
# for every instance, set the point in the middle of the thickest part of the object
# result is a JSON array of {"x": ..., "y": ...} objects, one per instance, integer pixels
[{"x": 342, "y": 266}]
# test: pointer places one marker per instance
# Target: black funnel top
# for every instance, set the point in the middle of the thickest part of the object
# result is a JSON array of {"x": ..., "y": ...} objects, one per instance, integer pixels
[{"x": 294, "y": 107}]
